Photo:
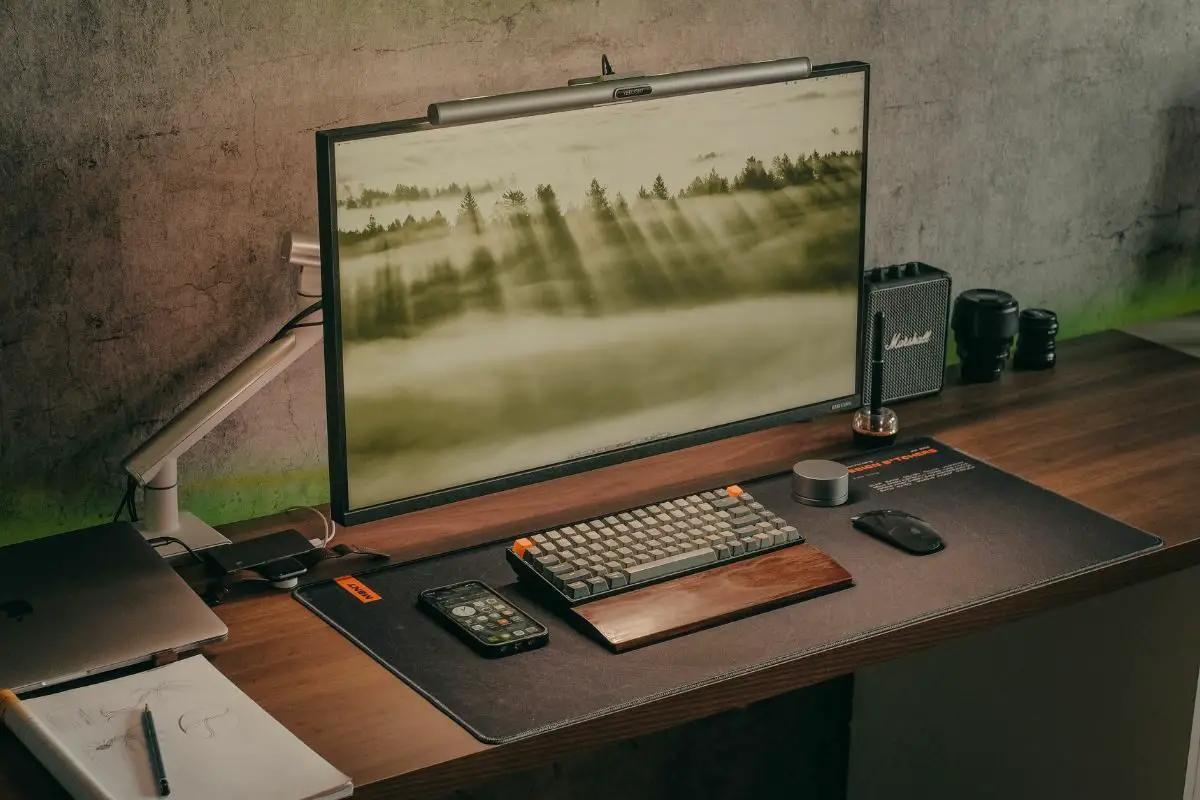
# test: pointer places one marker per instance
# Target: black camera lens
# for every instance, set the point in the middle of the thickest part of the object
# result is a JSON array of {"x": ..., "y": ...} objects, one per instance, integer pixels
[
  {"x": 984, "y": 322},
  {"x": 1038, "y": 329}
]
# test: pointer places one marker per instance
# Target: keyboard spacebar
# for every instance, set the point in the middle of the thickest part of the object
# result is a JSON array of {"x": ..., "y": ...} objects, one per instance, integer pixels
[{"x": 665, "y": 566}]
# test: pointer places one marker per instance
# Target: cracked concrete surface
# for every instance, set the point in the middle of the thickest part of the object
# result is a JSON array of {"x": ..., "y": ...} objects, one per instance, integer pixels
[{"x": 152, "y": 155}]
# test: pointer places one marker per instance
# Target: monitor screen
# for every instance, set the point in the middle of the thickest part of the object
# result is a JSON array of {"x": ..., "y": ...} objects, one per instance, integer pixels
[{"x": 517, "y": 299}]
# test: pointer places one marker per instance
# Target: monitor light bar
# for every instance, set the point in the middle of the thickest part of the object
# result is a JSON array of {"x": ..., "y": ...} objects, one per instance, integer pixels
[{"x": 585, "y": 95}]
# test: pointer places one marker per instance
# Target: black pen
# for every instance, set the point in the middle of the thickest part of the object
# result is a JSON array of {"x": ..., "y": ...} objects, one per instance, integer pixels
[{"x": 156, "y": 762}]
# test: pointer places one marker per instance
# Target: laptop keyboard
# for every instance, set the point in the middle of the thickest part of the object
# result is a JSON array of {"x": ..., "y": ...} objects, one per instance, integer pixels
[{"x": 657, "y": 542}]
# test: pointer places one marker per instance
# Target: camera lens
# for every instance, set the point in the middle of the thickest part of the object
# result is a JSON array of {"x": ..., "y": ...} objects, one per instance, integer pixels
[
  {"x": 1038, "y": 328},
  {"x": 984, "y": 323}
]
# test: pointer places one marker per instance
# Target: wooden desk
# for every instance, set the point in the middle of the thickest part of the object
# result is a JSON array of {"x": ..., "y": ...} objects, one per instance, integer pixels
[{"x": 1115, "y": 426}]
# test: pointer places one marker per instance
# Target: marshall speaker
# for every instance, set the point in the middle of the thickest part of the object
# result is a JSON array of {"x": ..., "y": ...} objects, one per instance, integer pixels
[{"x": 915, "y": 300}]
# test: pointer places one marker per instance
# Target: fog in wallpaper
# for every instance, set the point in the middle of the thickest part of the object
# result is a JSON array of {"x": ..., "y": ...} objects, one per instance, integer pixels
[{"x": 519, "y": 293}]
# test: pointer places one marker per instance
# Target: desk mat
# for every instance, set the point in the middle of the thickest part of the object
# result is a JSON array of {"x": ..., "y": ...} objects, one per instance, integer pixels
[{"x": 1002, "y": 534}]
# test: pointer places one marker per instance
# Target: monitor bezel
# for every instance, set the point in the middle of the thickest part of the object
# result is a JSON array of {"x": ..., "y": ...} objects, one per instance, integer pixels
[{"x": 334, "y": 387}]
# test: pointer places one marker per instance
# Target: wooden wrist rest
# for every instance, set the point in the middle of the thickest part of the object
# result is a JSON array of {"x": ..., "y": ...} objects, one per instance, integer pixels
[{"x": 703, "y": 599}]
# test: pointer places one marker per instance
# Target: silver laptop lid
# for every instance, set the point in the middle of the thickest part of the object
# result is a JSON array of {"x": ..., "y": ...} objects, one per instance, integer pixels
[{"x": 89, "y": 601}]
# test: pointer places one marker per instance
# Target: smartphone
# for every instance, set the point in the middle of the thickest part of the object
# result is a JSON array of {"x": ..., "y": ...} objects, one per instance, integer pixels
[
  {"x": 250, "y": 553},
  {"x": 489, "y": 623}
]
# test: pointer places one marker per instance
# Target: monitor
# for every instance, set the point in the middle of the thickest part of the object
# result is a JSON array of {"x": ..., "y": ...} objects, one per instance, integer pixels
[{"x": 515, "y": 299}]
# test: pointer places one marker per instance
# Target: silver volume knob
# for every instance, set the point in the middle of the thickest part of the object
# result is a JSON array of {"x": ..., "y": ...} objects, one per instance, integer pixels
[{"x": 820, "y": 483}]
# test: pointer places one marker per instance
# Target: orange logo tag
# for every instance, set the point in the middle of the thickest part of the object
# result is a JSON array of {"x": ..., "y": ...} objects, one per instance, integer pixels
[{"x": 357, "y": 588}]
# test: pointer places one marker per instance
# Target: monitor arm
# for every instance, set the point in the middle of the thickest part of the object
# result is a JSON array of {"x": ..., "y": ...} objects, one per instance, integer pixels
[{"x": 154, "y": 465}]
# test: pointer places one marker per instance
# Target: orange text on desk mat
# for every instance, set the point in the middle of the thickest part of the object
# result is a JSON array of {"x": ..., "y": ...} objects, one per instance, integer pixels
[{"x": 359, "y": 589}]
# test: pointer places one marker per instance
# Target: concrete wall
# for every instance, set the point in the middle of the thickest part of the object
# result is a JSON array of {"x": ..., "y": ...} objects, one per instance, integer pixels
[{"x": 153, "y": 153}]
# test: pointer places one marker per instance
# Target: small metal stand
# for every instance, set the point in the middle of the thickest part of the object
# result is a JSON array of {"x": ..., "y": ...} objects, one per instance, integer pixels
[{"x": 606, "y": 74}]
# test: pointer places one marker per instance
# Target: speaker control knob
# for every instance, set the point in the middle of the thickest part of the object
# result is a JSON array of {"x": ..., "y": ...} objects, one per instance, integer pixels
[
  {"x": 877, "y": 275},
  {"x": 912, "y": 269},
  {"x": 893, "y": 272}
]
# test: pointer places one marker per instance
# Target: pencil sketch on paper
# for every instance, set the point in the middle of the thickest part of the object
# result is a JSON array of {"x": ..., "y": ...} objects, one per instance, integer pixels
[
  {"x": 129, "y": 740},
  {"x": 209, "y": 722},
  {"x": 141, "y": 696}
]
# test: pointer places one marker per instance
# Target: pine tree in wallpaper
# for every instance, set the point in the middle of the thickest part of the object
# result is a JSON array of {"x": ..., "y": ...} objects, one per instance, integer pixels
[{"x": 519, "y": 293}]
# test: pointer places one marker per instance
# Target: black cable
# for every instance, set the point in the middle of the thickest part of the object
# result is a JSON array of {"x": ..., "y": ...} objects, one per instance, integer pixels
[
  {"x": 161, "y": 540},
  {"x": 294, "y": 322},
  {"x": 127, "y": 500}
]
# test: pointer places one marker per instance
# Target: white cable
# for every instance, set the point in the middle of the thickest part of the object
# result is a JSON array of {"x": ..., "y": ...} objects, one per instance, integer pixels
[{"x": 329, "y": 526}]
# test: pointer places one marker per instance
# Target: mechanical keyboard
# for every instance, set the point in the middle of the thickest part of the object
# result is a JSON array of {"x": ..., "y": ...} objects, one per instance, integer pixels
[{"x": 612, "y": 554}]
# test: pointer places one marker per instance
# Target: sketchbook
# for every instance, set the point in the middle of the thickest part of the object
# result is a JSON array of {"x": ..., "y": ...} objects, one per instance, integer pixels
[{"x": 214, "y": 740}]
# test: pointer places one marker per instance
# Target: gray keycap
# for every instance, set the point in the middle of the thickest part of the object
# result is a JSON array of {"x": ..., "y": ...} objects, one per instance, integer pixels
[
  {"x": 668, "y": 528},
  {"x": 671, "y": 564},
  {"x": 791, "y": 533},
  {"x": 637, "y": 525},
  {"x": 614, "y": 565},
  {"x": 551, "y": 546},
  {"x": 709, "y": 495},
  {"x": 624, "y": 552},
  {"x": 677, "y": 513},
  {"x": 596, "y": 547},
  {"x": 722, "y": 514},
  {"x": 640, "y": 512},
  {"x": 708, "y": 528},
  {"x": 577, "y": 540},
  {"x": 672, "y": 550},
  {"x": 576, "y": 590},
  {"x": 654, "y": 509},
  {"x": 581, "y": 574},
  {"x": 616, "y": 580},
  {"x": 548, "y": 560},
  {"x": 611, "y": 520},
  {"x": 597, "y": 585},
  {"x": 725, "y": 502},
  {"x": 765, "y": 527},
  {"x": 657, "y": 554},
  {"x": 625, "y": 516},
  {"x": 714, "y": 539},
  {"x": 621, "y": 527},
  {"x": 624, "y": 539},
  {"x": 700, "y": 544},
  {"x": 693, "y": 498},
  {"x": 596, "y": 558},
  {"x": 638, "y": 547},
  {"x": 558, "y": 569},
  {"x": 540, "y": 538},
  {"x": 642, "y": 558},
  {"x": 668, "y": 504},
  {"x": 764, "y": 540},
  {"x": 744, "y": 530},
  {"x": 747, "y": 497},
  {"x": 709, "y": 518},
  {"x": 723, "y": 525},
  {"x": 591, "y": 536},
  {"x": 569, "y": 530},
  {"x": 723, "y": 552},
  {"x": 756, "y": 505},
  {"x": 663, "y": 516},
  {"x": 629, "y": 562},
  {"x": 736, "y": 547},
  {"x": 750, "y": 543},
  {"x": 778, "y": 537},
  {"x": 532, "y": 553},
  {"x": 566, "y": 555}
]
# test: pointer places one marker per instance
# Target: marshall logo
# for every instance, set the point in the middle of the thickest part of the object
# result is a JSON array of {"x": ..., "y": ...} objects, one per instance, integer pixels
[{"x": 899, "y": 341}]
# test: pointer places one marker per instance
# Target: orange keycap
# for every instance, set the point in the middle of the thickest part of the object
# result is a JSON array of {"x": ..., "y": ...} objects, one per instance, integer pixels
[
  {"x": 734, "y": 491},
  {"x": 520, "y": 546}
]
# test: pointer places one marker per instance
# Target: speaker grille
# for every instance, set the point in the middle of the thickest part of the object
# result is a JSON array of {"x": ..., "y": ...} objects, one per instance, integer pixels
[{"x": 914, "y": 308}]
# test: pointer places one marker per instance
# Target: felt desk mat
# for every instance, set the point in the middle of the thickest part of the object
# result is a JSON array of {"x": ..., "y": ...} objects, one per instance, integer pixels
[{"x": 1002, "y": 534}]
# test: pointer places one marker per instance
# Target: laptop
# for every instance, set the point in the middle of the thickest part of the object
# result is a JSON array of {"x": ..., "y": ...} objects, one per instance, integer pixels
[{"x": 90, "y": 601}]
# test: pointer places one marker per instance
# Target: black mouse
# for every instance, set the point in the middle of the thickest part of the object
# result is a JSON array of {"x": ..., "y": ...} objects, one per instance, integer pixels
[{"x": 900, "y": 529}]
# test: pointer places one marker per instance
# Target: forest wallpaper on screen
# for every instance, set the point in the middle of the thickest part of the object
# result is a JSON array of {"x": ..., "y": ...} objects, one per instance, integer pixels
[{"x": 536, "y": 290}]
